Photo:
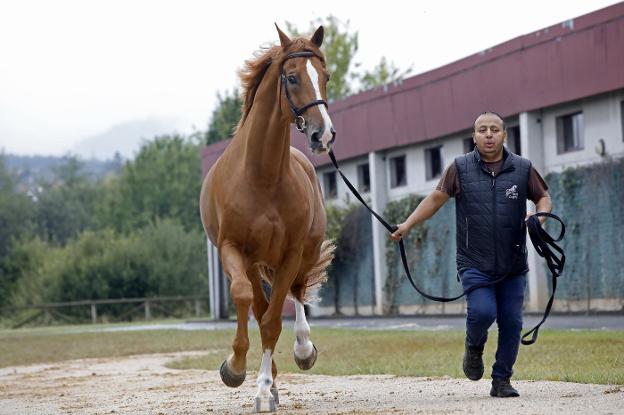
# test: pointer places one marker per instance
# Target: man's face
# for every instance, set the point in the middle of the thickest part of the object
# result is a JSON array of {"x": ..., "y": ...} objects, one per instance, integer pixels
[{"x": 489, "y": 135}]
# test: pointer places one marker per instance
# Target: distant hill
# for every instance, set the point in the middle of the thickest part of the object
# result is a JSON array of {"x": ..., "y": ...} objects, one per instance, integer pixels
[
  {"x": 125, "y": 138},
  {"x": 100, "y": 154},
  {"x": 29, "y": 169}
]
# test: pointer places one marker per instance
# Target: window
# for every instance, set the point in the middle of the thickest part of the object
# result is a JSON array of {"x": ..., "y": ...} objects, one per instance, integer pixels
[
  {"x": 329, "y": 185},
  {"x": 363, "y": 173},
  {"x": 468, "y": 144},
  {"x": 433, "y": 162},
  {"x": 513, "y": 140},
  {"x": 570, "y": 131},
  {"x": 398, "y": 176}
]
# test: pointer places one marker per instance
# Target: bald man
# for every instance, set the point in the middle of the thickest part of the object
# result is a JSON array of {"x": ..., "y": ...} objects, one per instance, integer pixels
[{"x": 491, "y": 186}]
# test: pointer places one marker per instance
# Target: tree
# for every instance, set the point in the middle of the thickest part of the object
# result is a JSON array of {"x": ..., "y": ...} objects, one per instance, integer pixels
[
  {"x": 225, "y": 117},
  {"x": 384, "y": 73},
  {"x": 339, "y": 47},
  {"x": 134, "y": 233},
  {"x": 66, "y": 204},
  {"x": 163, "y": 181},
  {"x": 15, "y": 224},
  {"x": 15, "y": 210}
]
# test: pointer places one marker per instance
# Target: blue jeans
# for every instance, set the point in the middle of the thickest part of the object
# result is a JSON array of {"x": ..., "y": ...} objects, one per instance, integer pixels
[{"x": 501, "y": 302}]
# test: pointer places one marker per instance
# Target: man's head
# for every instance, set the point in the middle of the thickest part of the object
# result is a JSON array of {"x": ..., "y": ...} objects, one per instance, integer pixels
[{"x": 489, "y": 135}]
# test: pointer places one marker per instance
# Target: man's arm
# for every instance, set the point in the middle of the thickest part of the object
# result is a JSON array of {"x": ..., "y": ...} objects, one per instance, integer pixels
[
  {"x": 544, "y": 204},
  {"x": 426, "y": 209}
]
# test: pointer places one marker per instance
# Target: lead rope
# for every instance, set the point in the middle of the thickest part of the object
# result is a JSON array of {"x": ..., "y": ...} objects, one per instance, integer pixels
[
  {"x": 541, "y": 240},
  {"x": 544, "y": 245}
]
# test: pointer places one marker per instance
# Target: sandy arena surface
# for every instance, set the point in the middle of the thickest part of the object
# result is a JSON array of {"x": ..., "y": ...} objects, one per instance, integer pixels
[{"x": 143, "y": 385}]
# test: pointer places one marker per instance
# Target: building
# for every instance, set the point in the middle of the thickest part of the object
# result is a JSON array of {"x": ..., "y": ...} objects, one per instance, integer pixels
[{"x": 559, "y": 89}]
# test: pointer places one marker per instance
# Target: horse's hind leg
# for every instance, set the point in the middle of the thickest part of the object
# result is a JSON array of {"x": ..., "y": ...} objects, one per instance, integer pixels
[
  {"x": 233, "y": 370},
  {"x": 304, "y": 350},
  {"x": 260, "y": 305}
]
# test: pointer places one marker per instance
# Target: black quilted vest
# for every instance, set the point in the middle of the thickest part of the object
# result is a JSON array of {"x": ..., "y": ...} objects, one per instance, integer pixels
[{"x": 490, "y": 212}]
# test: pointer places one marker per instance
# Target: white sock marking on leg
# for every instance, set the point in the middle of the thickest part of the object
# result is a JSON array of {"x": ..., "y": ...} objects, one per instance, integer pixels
[
  {"x": 265, "y": 376},
  {"x": 303, "y": 345}
]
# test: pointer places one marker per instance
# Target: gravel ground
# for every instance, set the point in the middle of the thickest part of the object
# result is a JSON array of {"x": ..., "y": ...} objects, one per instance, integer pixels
[{"x": 143, "y": 385}]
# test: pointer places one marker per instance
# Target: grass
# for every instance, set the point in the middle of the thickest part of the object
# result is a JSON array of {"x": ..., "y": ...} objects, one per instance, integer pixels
[{"x": 572, "y": 356}]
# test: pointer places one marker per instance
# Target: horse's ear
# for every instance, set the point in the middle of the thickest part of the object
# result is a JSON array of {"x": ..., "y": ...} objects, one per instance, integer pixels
[
  {"x": 284, "y": 40},
  {"x": 317, "y": 37}
]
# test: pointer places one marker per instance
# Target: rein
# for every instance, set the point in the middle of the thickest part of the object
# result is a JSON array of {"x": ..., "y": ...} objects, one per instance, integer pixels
[{"x": 542, "y": 242}]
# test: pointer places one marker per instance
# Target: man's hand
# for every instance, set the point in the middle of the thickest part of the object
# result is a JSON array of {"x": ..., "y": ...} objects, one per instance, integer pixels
[
  {"x": 541, "y": 219},
  {"x": 542, "y": 205},
  {"x": 423, "y": 211},
  {"x": 403, "y": 230}
]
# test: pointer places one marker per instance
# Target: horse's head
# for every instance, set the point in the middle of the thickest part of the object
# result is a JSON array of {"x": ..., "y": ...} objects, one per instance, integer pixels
[{"x": 303, "y": 89}]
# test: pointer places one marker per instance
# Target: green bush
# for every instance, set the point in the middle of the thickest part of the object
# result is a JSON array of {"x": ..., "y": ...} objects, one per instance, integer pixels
[{"x": 161, "y": 259}]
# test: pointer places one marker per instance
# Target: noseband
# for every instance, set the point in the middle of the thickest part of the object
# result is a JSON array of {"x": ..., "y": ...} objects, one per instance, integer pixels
[{"x": 300, "y": 122}]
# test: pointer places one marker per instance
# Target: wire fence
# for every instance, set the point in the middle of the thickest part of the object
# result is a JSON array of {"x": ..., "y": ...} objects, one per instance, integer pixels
[{"x": 106, "y": 310}]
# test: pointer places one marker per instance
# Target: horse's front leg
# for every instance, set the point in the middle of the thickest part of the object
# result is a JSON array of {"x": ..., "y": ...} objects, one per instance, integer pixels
[
  {"x": 271, "y": 328},
  {"x": 305, "y": 351},
  {"x": 260, "y": 305},
  {"x": 233, "y": 370}
]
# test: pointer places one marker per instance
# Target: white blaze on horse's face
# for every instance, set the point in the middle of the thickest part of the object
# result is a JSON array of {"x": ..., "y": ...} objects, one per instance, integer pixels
[{"x": 327, "y": 129}]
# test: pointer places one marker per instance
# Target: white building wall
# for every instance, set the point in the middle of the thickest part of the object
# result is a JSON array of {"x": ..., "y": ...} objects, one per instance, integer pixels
[
  {"x": 532, "y": 147},
  {"x": 602, "y": 119},
  {"x": 379, "y": 199},
  {"x": 452, "y": 146},
  {"x": 343, "y": 194}
]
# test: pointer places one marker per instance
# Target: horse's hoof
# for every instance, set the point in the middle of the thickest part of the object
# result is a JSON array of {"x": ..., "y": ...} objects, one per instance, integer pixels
[
  {"x": 275, "y": 394},
  {"x": 308, "y": 362},
  {"x": 231, "y": 379},
  {"x": 265, "y": 404}
]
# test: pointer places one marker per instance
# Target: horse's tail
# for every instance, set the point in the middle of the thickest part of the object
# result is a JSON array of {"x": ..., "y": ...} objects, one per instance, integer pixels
[{"x": 318, "y": 274}]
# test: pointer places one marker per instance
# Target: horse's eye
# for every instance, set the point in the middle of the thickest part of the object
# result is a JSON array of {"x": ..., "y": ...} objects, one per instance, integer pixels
[
  {"x": 327, "y": 78},
  {"x": 292, "y": 79}
]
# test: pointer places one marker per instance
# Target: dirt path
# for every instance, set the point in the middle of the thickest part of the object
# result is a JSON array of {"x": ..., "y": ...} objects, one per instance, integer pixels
[{"x": 143, "y": 385}]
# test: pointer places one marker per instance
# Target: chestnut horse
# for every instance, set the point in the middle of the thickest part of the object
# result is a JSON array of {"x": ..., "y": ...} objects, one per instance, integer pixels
[{"x": 261, "y": 204}]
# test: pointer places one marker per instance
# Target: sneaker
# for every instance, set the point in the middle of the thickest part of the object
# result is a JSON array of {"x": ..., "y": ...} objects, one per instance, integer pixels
[
  {"x": 473, "y": 362},
  {"x": 502, "y": 388}
]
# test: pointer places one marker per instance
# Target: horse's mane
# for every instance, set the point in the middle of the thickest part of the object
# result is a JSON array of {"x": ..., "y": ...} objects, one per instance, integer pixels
[{"x": 254, "y": 69}]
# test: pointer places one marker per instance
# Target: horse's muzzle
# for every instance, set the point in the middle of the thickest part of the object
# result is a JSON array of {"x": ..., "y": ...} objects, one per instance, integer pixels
[
  {"x": 333, "y": 137},
  {"x": 321, "y": 141}
]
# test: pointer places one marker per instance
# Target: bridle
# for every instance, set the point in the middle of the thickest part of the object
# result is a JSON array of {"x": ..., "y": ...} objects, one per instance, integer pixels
[{"x": 300, "y": 122}]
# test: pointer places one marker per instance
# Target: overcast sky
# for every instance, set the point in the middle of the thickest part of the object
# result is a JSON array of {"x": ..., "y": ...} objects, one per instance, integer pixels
[{"x": 74, "y": 69}]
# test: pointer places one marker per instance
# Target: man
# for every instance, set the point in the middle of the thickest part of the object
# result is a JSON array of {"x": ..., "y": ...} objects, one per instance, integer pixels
[{"x": 490, "y": 186}]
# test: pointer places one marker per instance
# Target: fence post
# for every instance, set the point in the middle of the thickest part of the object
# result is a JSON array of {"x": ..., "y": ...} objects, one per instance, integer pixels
[
  {"x": 93, "y": 313},
  {"x": 148, "y": 312},
  {"x": 197, "y": 308}
]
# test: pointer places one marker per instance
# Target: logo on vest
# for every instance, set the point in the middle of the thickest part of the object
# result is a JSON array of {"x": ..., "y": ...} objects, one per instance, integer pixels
[{"x": 512, "y": 192}]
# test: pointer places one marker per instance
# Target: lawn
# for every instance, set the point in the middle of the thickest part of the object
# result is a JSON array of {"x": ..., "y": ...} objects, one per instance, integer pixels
[{"x": 573, "y": 356}]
